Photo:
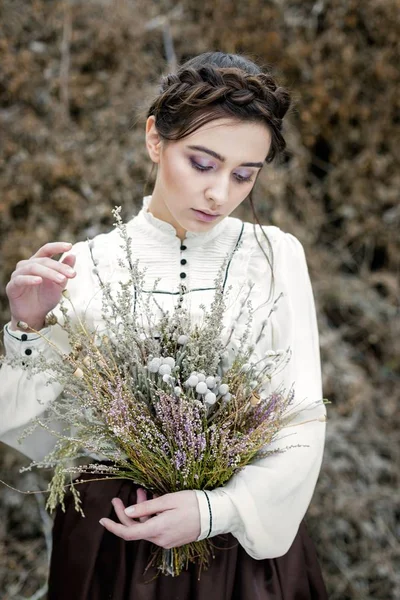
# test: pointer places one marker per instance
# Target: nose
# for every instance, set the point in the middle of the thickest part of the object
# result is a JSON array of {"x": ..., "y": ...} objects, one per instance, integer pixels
[{"x": 218, "y": 190}]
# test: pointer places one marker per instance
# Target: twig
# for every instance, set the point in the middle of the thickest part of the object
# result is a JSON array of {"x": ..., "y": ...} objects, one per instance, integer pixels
[
  {"x": 163, "y": 22},
  {"x": 65, "y": 62},
  {"x": 47, "y": 525}
]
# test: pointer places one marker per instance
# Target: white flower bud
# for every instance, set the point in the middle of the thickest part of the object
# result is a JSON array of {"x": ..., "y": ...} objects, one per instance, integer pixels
[
  {"x": 223, "y": 389},
  {"x": 164, "y": 370},
  {"x": 78, "y": 373},
  {"x": 169, "y": 360},
  {"x": 182, "y": 340},
  {"x": 210, "y": 398},
  {"x": 246, "y": 367},
  {"x": 193, "y": 373},
  {"x": 201, "y": 377},
  {"x": 210, "y": 381},
  {"x": 226, "y": 397},
  {"x": 269, "y": 363},
  {"x": 154, "y": 365},
  {"x": 167, "y": 378},
  {"x": 177, "y": 390},
  {"x": 201, "y": 387},
  {"x": 193, "y": 381}
]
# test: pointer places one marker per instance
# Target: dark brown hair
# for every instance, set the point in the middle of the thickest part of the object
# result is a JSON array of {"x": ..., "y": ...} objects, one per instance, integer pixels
[{"x": 216, "y": 85}]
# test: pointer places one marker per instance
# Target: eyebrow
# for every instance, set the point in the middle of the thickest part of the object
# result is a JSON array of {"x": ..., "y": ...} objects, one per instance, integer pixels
[{"x": 222, "y": 159}]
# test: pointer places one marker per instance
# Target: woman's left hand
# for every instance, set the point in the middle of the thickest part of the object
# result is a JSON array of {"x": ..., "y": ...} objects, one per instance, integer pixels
[{"x": 175, "y": 522}]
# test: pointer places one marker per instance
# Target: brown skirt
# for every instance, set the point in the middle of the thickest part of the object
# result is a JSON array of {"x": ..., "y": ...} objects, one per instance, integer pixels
[{"x": 90, "y": 563}]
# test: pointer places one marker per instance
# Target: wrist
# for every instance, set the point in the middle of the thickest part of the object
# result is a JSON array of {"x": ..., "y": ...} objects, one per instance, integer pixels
[{"x": 37, "y": 325}]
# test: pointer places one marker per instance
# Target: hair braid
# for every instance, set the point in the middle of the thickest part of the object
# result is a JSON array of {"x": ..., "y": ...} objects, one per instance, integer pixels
[{"x": 193, "y": 96}]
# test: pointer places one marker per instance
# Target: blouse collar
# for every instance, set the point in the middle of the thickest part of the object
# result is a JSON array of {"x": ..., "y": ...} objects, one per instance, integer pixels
[{"x": 163, "y": 230}]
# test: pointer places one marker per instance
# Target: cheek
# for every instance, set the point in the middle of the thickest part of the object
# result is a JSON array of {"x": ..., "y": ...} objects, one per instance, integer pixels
[
  {"x": 176, "y": 172},
  {"x": 240, "y": 194}
]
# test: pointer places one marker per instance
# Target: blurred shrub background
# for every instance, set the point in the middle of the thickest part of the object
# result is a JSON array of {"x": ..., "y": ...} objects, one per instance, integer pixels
[{"x": 76, "y": 77}]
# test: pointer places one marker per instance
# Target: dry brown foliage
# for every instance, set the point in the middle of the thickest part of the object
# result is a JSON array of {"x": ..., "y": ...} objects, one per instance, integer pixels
[{"x": 75, "y": 80}]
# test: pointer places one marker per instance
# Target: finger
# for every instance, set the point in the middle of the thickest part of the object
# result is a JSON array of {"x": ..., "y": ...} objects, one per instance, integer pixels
[
  {"x": 52, "y": 248},
  {"x": 17, "y": 286},
  {"x": 69, "y": 260},
  {"x": 136, "y": 531},
  {"x": 119, "y": 511},
  {"x": 14, "y": 285},
  {"x": 150, "y": 507},
  {"x": 61, "y": 267},
  {"x": 141, "y": 496},
  {"x": 40, "y": 270},
  {"x": 154, "y": 495}
]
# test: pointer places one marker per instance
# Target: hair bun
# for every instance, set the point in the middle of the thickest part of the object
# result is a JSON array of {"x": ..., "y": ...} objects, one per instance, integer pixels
[{"x": 283, "y": 102}]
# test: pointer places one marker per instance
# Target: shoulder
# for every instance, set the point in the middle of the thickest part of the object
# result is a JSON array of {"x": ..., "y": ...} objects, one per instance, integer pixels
[{"x": 272, "y": 237}]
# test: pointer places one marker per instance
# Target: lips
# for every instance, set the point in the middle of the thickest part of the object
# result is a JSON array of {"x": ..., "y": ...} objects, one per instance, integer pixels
[
  {"x": 208, "y": 213},
  {"x": 203, "y": 216}
]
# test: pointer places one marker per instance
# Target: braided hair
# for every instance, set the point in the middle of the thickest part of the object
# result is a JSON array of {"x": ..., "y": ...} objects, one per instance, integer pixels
[{"x": 216, "y": 85}]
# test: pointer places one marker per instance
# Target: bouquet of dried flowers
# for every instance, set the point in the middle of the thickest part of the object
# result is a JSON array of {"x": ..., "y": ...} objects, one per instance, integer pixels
[{"x": 154, "y": 402}]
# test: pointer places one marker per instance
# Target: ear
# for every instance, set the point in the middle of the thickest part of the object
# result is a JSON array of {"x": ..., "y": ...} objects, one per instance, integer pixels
[{"x": 153, "y": 140}]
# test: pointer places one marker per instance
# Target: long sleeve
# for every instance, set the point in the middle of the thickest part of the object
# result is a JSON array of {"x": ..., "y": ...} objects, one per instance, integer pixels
[
  {"x": 263, "y": 505},
  {"x": 23, "y": 398}
]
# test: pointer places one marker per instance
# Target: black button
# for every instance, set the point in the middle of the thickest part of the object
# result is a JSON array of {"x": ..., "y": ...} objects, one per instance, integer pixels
[
  {"x": 24, "y": 337},
  {"x": 183, "y": 247},
  {"x": 183, "y": 275},
  {"x": 28, "y": 351},
  {"x": 183, "y": 261}
]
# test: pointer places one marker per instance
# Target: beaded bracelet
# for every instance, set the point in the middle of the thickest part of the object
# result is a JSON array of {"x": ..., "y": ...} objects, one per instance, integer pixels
[{"x": 209, "y": 510}]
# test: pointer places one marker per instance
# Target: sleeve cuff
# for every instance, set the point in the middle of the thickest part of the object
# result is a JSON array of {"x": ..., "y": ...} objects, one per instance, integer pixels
[
  {"x": 20, "y": 343},
  {"x": 225, "y": 518}
]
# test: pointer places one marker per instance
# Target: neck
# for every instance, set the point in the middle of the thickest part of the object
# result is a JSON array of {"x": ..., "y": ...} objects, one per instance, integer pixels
[{"x": 159, "y": 210}]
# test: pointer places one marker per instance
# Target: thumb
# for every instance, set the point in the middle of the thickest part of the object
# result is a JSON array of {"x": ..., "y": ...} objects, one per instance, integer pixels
[{"x": 69, "y": 260}]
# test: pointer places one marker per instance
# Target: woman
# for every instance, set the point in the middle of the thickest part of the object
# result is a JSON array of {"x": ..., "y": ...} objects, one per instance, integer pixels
[{"x": 209, "y": 131}]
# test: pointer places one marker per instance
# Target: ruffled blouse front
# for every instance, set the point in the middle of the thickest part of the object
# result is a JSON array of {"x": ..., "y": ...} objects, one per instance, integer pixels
[{"x": 264, "y": 503}]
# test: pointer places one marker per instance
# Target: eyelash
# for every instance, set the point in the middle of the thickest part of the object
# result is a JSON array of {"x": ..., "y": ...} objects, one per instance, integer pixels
[{"x": 198, "y": 167}]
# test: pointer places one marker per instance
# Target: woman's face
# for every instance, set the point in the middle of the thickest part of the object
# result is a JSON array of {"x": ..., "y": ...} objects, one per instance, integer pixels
[{"x": 211, "y": 170}]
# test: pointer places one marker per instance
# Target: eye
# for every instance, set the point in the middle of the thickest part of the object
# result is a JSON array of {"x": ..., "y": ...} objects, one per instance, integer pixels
[
  {"x": 241, "y": 179},
  {"x": 200, "y": 167},
  {"x": 208, "y": 167}
]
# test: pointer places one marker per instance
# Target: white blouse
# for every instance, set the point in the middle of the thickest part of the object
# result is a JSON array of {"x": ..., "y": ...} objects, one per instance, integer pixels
[{"x": 263, "y": 504}]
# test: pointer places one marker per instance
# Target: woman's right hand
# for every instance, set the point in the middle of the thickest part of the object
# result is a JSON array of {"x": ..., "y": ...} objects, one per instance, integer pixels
[{"x": 36, "y": 285}]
